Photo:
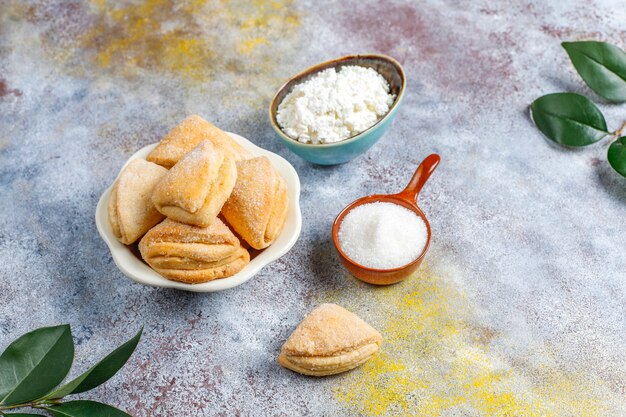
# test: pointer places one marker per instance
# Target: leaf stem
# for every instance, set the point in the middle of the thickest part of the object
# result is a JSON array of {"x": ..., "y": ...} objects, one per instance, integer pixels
[
  {"x": 619, "y": 131},
  {"x": 32, "y": 404},
  {"x": 12, "y": 407}
]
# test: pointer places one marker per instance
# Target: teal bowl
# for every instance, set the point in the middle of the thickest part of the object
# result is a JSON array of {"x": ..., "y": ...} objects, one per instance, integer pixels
[{"x": 347, "y": 149}]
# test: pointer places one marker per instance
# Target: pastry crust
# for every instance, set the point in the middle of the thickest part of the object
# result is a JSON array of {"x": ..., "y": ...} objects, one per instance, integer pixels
[
  {"x": 191, "y": 254},
  {"x": 187, "y": 135},
  {"x": 328, "y": 365},
  {"x": 131, "y": 211},
  {"x": 329, "y": 340},
  {"x": 258, "y": 205},
  {"x": 197, "y": 187}
]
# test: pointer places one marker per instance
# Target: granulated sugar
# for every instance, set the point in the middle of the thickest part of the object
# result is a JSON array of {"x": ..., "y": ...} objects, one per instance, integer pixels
[{"x": 382, "y": 235}]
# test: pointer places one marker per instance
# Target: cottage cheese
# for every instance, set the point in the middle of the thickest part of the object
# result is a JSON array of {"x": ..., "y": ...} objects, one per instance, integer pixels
[{"x": 335, "y": 105}]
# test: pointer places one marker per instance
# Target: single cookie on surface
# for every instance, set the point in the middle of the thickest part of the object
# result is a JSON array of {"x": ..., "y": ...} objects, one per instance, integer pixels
[
  {"x": 329, "y": 340},
  {"x": 131, "y": 211},
  {"x": 257, "y": 207},
  {"x": 191, "y": 254},
  {"x": 196, "y": 188},
  {"x": 187, "y": 135}
]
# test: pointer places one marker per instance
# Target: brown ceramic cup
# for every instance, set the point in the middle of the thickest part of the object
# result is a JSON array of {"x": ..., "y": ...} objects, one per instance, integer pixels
[{"x": 406, "y": 198}]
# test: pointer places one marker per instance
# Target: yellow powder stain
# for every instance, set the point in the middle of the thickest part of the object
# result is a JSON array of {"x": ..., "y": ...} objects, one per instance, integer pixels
[
  {"x": 196, "y": 39},
  {"x": 435, "y": 362},
  {"x": 4, "y": 143},
  {"x": 247, "y": 46}
]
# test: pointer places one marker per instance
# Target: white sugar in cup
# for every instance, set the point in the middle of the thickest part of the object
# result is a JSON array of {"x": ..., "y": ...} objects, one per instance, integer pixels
[
  {"x": 382, "y": 235},
  {"x": 385, "y": 241}
]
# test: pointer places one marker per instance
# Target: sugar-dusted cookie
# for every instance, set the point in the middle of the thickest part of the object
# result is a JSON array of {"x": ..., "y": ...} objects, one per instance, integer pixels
[
  {"x": 131, "y": 211},
  {"x": 191, "y": 254},
  {"x": 187, "y": 135},
  {"x": 257, "y": 207},
  {"x": 329, "y": 340},
  {"x": 196, "y": 188}
]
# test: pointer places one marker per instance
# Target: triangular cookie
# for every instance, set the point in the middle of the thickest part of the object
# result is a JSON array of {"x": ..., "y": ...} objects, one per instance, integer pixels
[
  {"x": 328, "y": 341},
  {"x": 257, "y": 207},
  {"x": 131, "y": 212},
  {"x": 191, "y": 254},
  {"x": 187, "y": 135},
  {"x": 196, "y": 188}
]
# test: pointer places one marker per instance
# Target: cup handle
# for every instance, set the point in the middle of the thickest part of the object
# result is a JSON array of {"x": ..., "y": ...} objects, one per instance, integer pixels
[{"x": 422, "y": 173}]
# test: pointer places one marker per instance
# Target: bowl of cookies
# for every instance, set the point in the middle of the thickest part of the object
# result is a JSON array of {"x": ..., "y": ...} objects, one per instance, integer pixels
[{"x": 203, "y": 210}]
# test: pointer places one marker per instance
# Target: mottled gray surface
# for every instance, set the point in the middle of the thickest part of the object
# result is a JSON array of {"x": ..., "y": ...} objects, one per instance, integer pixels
[{"x": 530, "y": 234}]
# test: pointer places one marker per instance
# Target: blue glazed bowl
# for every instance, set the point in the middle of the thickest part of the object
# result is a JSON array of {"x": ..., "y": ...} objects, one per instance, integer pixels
[{"x": 350, "y": 148}]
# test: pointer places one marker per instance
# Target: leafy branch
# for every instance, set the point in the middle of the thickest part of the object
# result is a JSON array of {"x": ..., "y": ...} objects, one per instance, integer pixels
[
  {"x": 32, "y": 367},
  {"x": 572, "y": 119}
]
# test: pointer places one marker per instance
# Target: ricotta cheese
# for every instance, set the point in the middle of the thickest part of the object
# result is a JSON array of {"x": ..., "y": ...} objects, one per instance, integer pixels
[{"x": 335, "y": 105}]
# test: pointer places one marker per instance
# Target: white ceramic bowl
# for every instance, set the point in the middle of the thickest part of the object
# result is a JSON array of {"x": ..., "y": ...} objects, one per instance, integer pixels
[{"x": 137, "y": 270}]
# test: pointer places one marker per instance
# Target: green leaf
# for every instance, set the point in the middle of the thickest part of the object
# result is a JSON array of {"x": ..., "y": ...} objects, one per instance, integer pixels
[
  {"x": 569, "y": 119},
  {"x": 101, "y": 372},
  {"x": 23, "y": 415},
  {"x": 83, "y": 408},
  {"x": 35, "y": 363},
  {"x": 602, "y": 66},
  {"x": 617, "y": 155}
]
